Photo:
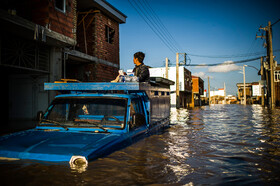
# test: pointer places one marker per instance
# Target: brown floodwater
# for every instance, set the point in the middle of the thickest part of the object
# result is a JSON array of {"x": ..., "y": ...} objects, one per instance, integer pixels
[{"x": 219, "y": 145}]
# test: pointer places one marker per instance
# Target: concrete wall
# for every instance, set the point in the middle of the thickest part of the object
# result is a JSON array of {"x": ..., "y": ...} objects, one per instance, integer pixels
[
  {"x": 185, "y": 85},
  {"x": 160, "y": 72}
]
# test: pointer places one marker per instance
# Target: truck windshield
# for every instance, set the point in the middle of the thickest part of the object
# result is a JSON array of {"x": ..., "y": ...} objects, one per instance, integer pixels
[{"x": 87, "y": 112}]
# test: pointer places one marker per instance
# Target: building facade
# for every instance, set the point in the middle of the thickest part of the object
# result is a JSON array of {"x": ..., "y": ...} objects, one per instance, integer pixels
[
  {"x": 219, "y": 92},
  {"x": 277, "y": 85},
  {"x": 96, "y": 55},
  {"x": 217, "y": 96},
  {"x": 41, "y": 41},
  {"x": 197, "y": 89},
  {"x": 185, "y": 84},
  {"x": 253, "y": 92}
]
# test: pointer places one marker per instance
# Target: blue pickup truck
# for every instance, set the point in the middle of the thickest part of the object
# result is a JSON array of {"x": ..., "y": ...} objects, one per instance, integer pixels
[{"x": 90, "y": 120}]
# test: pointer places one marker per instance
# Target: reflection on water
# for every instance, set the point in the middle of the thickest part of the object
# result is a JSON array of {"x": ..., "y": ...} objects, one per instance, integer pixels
[{"x": 220, "y": 144}]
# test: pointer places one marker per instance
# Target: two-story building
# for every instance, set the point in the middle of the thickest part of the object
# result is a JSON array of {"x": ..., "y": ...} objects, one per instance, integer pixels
[
  {"x": 96, "y": 55},
  {"x": 185, "y": 84},
  {"x": 253, "y": 92},
  {"x": 43, "y": 41},
  {"x": 197, "y": 89}
]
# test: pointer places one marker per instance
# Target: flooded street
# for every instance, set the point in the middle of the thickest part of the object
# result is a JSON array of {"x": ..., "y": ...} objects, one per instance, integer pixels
[{"x": 219, "y": 145}]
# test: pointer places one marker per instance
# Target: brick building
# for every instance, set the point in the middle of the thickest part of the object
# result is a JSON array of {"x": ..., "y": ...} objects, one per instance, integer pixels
[
  {"x": 96, "y": 56},
  {"x": 197, "y": 89},
  {"x": 43, "y": 41}
]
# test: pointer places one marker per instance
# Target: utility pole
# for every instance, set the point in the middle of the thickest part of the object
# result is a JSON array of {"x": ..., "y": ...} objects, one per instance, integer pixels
[
  {"x": 177, "y": 82},
  {"x": 208, "y": 90},
  {"x": 270, "y": 60},
  {"x": 177, "y": 78},
  {"x": 271, "y": 63},
  {"x": 166, "y": 68},
  {"x": 244, "y": 85},
  {"x": 225, "y": 92},
  {"x": 262, "y": 80}
]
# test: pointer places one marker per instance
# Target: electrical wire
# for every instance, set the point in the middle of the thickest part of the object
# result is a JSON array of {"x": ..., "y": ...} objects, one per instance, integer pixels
[
  {"x": 150, "y": 24},
  {"x": 146, "y": 12},
  {"x": 169, "y": 36},
  {"x": 228, "y": 63},
  {"x": 153, "y": 21},
  {"x": 232, "y": 56},
  {"x": 275, "y": 22}
]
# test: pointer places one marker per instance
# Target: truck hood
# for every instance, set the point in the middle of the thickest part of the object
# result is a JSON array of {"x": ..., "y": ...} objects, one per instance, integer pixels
[{"x": 54, "y": 146}]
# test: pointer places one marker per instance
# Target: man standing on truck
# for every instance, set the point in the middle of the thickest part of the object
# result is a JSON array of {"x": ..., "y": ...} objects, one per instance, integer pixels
[{"x": 141, "y": 70}]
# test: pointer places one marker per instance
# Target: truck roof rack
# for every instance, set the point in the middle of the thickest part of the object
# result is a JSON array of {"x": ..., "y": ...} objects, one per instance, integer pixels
[
  {"x": 156, "y": 82},
  {"x": 91, "y": 86}
]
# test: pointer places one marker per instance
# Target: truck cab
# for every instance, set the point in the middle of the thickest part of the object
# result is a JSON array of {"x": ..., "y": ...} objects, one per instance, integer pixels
[{"x": 99, "y": 113}]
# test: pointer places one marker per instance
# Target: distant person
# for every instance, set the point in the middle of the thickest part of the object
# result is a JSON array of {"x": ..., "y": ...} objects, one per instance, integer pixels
[{"x": 140, "y": 70}]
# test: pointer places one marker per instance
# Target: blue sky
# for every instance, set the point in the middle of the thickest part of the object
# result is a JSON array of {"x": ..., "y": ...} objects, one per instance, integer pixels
[{"x": 202, "y": 27}]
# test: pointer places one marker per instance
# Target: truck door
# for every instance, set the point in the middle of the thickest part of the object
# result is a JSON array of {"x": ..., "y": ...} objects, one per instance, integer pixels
[{"x": 137, "y": 124}]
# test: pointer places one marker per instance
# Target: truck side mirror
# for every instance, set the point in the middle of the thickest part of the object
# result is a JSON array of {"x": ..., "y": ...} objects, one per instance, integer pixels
[{"x": 40, "y": 115}]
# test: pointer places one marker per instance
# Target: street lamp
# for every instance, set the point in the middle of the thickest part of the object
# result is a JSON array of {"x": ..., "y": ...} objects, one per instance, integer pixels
[{"x": 244, "y": 84}]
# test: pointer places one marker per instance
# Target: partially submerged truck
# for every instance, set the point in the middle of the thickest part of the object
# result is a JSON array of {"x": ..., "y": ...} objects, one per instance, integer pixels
[{"x": 90, "y": 120}]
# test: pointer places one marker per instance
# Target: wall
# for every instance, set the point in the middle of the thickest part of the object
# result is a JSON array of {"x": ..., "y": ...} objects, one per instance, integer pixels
[
  {"x": 63, "y": 22},
  {"x": 241, "y": 91},
  {"x": 160, "y": 72},
  {"x": 185, "y": 85},
  {"x": 195, "y": 85},
  {"x": 198, "y": 85},
  {"x": 44, "y": 13},
  {"x": 188, "y": 80},
  {"x": 217, "y": 93},
  {"x": 277, "y": 90},
  {"x": 103, "y": 49},
  {"x": 31, "y": 88},
  {"x": 36, "y": 62},
  {"x": 94, "y": 43}
]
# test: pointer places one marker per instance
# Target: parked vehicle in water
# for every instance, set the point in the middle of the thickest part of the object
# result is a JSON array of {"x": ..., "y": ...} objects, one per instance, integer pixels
[{"x": 90, "y": 120}]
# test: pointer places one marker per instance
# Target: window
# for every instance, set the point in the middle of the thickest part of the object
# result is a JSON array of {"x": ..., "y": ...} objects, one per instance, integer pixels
[
  {"x": 277, "y": 76},
  {"x": 88, "y": 112},
  {"x": 137, "y": 116},
  {"x": 136, "y": 106},
  {"x": 109, "y": 34},
  {"x": 60, "y": 5}
]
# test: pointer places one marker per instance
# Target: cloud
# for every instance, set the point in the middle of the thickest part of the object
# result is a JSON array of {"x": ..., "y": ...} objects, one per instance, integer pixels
[
  {"x": 202, "y": 75},
  {"x": 227, "y": 66}
]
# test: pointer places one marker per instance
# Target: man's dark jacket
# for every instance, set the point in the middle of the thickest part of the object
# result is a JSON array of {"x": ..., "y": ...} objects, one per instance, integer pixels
[{"x": 142, "y": 72}]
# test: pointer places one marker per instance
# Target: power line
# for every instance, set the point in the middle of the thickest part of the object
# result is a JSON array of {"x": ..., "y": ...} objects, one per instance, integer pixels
[
  {"x": 146, "y": 12},
  {"x": 217, "y": 64},
  {"x": 275, "y": 22},
  {"x": 157, "y": 26},
  {"x": 228, "y": 63},
  {"x": 231, "y": 56},
  {"x": 153, "y": 21},
  {"x": 170, "y": 37},
  {"x": 149, "y": 23}
]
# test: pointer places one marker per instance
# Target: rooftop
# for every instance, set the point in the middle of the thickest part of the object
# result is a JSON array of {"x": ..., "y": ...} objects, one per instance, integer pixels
[{"x": 103, "y": 6}]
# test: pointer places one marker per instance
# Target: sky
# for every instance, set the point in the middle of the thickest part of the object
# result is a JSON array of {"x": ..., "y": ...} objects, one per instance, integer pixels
[{"x": 207, "y": 30}]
